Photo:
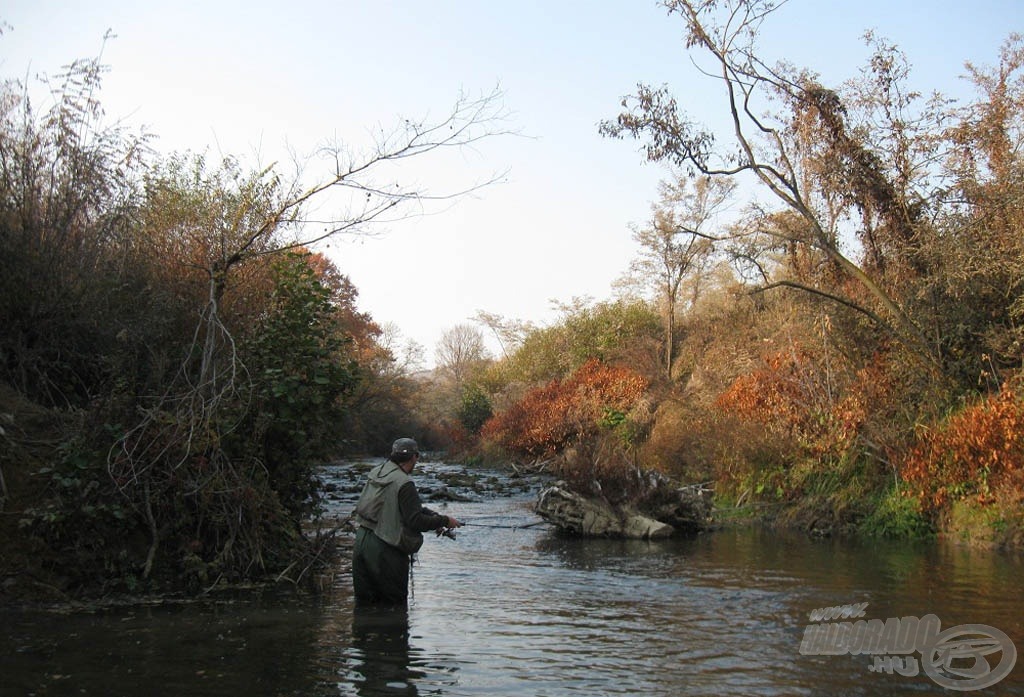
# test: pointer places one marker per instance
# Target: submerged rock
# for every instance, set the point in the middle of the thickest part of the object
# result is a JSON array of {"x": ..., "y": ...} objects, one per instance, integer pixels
[{"x": 662, "y": 512}]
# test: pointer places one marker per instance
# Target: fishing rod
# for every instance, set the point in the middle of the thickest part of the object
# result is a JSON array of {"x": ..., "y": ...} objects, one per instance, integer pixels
[
  {"x": 505, "y": 527},
  {"x": 450, "y": 532}
]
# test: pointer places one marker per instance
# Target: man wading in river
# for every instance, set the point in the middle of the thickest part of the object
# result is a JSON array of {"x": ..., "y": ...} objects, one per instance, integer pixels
[{"x": 391, "y": 522}]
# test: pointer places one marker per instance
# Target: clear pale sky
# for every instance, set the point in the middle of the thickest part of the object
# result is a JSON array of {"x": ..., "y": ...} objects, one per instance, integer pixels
[{"x": 245, "y": 77}]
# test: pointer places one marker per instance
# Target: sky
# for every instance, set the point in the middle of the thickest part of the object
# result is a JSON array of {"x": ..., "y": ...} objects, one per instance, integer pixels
[{"x": 260, "y": 80}]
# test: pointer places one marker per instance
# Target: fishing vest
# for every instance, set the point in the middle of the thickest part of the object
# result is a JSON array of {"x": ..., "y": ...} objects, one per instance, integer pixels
[{"x": 378, "y": 509}]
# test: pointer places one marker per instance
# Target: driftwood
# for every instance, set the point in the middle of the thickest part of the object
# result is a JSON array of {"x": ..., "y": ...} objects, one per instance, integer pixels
[
  {"x": 662, "y": 511},
  {"x": 538, "y": 466}
]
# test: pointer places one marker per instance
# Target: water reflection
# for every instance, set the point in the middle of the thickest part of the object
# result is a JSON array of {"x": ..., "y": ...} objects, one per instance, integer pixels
[{"x": 380, "y": 655}]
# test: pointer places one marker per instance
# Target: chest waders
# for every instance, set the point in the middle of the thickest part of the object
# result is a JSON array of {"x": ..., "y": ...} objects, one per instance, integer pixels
[{"x": 385, "y": 547}]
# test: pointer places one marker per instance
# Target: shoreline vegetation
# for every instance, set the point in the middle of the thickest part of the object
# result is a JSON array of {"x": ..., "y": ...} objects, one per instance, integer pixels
[{"x": 839, "y": 350}]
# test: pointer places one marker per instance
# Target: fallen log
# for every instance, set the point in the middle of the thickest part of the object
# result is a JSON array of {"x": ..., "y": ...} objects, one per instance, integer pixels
[{"x": 662, "y": 511}]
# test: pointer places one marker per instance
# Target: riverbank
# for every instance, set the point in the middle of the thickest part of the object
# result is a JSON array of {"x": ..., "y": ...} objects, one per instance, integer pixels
[
  {"x": 888, "y": 513},
  {"x": 26, "y": 581}
]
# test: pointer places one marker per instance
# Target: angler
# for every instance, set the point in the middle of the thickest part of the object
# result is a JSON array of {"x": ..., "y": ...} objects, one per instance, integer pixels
[{"x": 391, "y": 520}]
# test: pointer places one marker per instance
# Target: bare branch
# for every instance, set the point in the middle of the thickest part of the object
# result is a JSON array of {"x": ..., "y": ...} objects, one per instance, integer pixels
[{"x": 726, "y": 32}]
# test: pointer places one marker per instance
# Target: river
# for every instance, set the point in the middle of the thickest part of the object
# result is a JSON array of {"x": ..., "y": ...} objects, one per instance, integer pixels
[{"x": 509, "y": 610}]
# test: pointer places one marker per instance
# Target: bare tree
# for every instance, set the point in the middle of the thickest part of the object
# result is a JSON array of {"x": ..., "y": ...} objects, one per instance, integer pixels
[
  {"x": 677, "y": 244},
  {"x": 268, "y": 218},
  {"x": 404, "y": 356},
  {"x": 460, "y": 351},
  {"x": 509, "y": 333}
]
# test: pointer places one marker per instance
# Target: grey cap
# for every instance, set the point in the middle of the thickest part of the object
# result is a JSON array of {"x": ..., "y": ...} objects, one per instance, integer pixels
[{"x": 403, "y": 446}]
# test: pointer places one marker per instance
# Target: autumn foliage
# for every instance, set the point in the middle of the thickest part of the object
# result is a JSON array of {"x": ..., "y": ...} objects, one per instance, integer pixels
[
  {"x": 562, "y": 413},
  {"x": 797, "y": 397},
  {"x": 976, "y": 454}
]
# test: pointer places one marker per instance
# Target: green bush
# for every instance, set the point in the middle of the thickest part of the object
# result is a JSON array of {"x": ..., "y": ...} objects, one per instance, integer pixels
[
  {"x": 474, "y": 409},
  {"x": 301, "y": 368},
  {"x": 896, "y": 515}
]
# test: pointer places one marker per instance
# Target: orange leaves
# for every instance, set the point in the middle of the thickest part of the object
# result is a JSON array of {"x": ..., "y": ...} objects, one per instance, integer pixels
[
  {"x": 770, "y": 394},
  {"x": 799, "y": 395},
  {"x": 977, "y": 453},
  {"x": 549, "y": 418}
]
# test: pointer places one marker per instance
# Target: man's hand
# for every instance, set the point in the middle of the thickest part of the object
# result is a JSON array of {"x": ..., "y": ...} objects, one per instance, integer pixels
[{"x": 454, "y": 523}]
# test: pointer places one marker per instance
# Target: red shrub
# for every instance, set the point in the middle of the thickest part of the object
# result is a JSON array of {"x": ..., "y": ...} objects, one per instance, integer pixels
[
  {"x": 977, "y": 452},
  {"x": 548, "y": 419}
]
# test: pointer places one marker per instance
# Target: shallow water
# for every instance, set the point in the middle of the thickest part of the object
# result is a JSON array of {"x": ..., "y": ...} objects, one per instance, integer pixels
[{"x": 524, "y": 611}]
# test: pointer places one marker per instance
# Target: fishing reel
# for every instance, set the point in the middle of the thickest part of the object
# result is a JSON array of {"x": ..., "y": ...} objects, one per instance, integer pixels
[{"x": 445, "y": 532}]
